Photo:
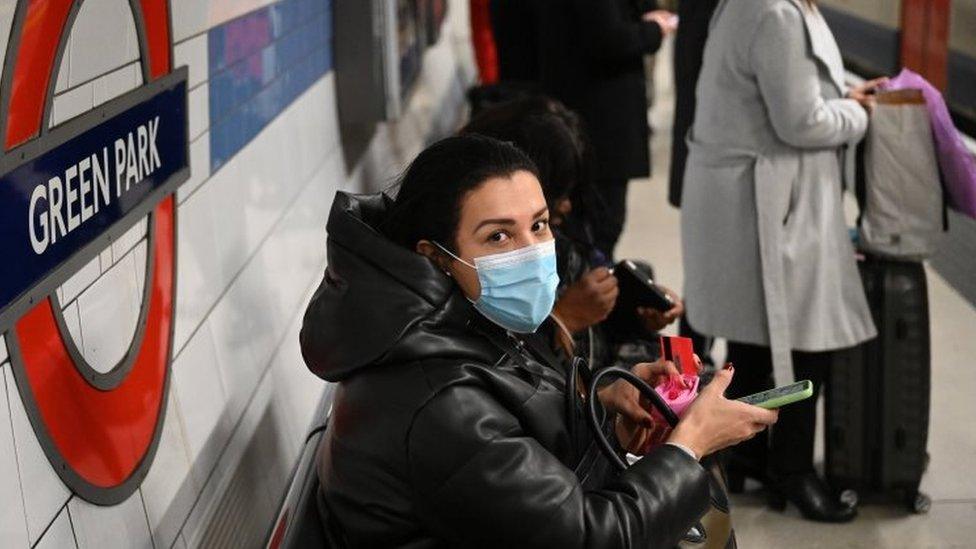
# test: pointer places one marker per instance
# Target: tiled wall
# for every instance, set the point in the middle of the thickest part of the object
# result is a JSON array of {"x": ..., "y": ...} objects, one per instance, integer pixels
[{"x": 266, "y": 161}]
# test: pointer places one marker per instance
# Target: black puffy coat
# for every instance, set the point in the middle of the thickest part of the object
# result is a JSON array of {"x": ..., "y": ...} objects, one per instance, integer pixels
[{"x": 447, "y": 431}]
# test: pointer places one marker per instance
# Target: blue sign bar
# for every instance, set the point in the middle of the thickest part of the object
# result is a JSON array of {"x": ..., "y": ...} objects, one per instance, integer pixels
[{"x": 116, "y": 162}]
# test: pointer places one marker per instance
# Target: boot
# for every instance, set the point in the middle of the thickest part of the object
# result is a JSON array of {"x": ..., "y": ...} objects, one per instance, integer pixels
[{"x": 812, "y": 497}]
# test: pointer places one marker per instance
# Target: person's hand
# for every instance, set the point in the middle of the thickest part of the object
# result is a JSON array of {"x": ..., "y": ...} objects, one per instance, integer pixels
[
  {"x": 654, "y": 320},
  {"x": 864, "y": 93},
  {"x": 664, "y": 18},
  {"x": 713, "y": 422},
  {"x": 622, "y": 398},
  {"x": 636, "y": 427},
  {"x": 588, "y": 301}
]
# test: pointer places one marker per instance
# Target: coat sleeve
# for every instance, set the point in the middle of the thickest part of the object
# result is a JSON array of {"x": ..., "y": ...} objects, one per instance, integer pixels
[
  {"x": 609, "y": 35},
  {"x": 483, "y": 482},
  {"x": 790, "y": 86}
]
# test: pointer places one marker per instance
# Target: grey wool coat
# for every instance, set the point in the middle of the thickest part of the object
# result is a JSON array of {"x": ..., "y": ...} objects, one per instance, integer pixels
[{"x": 767, "y": 257}]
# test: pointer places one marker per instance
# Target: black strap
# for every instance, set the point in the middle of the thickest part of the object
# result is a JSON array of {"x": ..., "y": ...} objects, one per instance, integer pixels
[{"x": 646, "y": 391}]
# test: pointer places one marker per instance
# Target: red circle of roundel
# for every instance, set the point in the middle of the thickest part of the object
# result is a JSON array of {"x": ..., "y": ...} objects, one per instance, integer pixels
[{"x": 101, "y": 442}]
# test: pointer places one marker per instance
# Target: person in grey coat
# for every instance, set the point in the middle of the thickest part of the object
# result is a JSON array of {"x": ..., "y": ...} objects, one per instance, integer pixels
[{"x": 768, "y": 261}]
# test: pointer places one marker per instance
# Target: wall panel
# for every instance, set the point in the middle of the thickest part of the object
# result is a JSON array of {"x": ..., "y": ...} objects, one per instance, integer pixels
[{"x": 265, "y": 162}]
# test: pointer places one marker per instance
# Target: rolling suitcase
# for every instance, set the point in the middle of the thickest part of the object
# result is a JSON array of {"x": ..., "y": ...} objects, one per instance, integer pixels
[{"x": 878, "y": 395}]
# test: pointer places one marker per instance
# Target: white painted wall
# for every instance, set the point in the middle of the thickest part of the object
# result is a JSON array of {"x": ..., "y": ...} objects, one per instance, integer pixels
[{"x": 251, "y": 249}]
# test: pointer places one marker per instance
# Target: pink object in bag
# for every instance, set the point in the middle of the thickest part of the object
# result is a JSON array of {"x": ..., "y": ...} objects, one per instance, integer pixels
[
  {"x": 956, "y": 162},
  {"x": 678, "y": 398}
]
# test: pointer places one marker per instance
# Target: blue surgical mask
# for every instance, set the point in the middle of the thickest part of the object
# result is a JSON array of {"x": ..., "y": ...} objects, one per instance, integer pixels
[{"x": 518, "y": 288}]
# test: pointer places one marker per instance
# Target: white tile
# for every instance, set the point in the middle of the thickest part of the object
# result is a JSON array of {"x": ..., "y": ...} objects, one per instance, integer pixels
[
  {"x": 117, "y": 83},
  {"x": 199, "y": 166},
  {"x": 296, "y": 389},
  {"x": 222, "y": 11},
  {"x": 198, "y": 265},
  {"x": 169, "y": 489},
  {"x": 59, "y": 535},
  {"x": 105, "y": 258},
  {"x": 189, "y": 18},
  {"x": 228, "y": 204},
  {"x": 109, "y": 312},
  {"x": 119, "y": 526},
  {"x": 193, "y": 53},
  {"x": 13, "y": 521},
  {"x": 331, "y": 129},
  {"x": 64, "y": 70},
  {"x": 44, "y": 493},
  {"x": 230, "y": 459},
  {"x": 202, "y": 403},
  {"x": 231, "y": 323},
  {"x": 3, "y": 349},
  {"x": 79, "y": 281},
  {"x": 6, "y": 21},
  {"x": 139, "y": 262},
  {"x": 129, "y": 239},
  {"x": 71, "y": 103},
  {"x": 199, "y": 103},
  {"x": 73, "y": 321},
  {"x": 103, "y": 38}
]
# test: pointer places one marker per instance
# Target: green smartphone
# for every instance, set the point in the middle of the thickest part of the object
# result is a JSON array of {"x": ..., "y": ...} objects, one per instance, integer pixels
[{"x": 781, "y": 396}]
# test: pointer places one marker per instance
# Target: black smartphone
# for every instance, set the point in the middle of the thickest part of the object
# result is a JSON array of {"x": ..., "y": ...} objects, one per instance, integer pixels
[{"x": 638, "y": 290}]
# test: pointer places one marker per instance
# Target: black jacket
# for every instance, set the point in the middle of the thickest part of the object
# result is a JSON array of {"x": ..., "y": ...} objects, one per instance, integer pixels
[
  {"x": 591, "y": 58},
  {"x": 689, "y": 46},
  {"x": 446, "y": 431}
]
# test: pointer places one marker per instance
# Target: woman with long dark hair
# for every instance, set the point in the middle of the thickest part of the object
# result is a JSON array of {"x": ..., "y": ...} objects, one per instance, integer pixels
[{"x": 450, "y": 424}]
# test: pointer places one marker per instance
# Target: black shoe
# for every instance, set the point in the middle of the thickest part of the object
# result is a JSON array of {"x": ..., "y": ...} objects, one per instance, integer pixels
[{"x": 812, "y": 497}]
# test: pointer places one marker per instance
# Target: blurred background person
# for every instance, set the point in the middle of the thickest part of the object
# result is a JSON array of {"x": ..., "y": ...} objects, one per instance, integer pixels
[
  {"x": 767, "y": 258},
  {"x": 689, "y": 45},
  {"x": 590, "y": 57}
]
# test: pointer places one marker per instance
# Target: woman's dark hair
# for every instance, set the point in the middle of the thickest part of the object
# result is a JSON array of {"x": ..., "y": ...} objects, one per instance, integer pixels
[
  {"x": 428, "y": 203},
  {"x": 550, "y": 135},
  {"x": 555, "y": 139}
]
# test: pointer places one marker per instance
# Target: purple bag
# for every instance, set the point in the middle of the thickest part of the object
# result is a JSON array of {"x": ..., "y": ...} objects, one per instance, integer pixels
[{"x": 957, "y": 164}]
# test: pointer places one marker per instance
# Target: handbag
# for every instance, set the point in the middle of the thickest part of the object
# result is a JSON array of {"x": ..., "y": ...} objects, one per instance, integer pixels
[
  {"x": 713, "y": 530},
  {"x": 957, "y": 165},
  {"x": 903, "y": 207}
]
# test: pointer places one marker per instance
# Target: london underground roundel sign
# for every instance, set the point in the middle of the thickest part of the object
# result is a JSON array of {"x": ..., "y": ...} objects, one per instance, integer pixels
[{"x": 65, "y": 194}]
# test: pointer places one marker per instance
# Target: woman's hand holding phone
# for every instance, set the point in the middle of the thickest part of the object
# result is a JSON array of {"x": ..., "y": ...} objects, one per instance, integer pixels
[{"x": 714, "y": 422}]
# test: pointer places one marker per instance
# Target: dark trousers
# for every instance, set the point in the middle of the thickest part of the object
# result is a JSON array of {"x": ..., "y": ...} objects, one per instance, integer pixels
[
  {"x": 788, "y": 449},
  {"x": 612, "y": 214}
]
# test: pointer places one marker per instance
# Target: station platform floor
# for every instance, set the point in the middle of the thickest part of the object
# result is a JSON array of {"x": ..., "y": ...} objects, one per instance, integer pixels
[{"x": 652, "y": 232}]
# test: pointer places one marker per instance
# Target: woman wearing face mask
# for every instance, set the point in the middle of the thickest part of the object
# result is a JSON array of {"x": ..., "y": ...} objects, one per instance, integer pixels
[
  {"x": 450, "y": 425},
  {"x": 553, "y": 137}
]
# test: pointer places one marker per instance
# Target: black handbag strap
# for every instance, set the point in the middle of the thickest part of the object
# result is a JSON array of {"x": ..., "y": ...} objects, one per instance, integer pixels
[{"x": 645, "y": 390}]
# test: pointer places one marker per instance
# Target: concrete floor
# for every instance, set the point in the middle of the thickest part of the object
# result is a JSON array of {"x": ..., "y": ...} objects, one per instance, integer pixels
[{"x": 652, "y": 232}]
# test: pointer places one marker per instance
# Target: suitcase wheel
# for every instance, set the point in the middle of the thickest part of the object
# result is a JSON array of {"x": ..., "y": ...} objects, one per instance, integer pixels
[
  {"x": 849, "y": 497},
  {"x": 919, "y": 503}
]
